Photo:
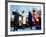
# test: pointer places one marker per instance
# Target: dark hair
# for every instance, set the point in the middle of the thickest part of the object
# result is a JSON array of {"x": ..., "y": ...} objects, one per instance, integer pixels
[{"x": 33, "y": 10}]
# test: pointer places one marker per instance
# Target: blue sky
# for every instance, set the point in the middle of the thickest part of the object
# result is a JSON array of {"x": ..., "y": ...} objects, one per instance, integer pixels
[{"x": 20, "y": 8}]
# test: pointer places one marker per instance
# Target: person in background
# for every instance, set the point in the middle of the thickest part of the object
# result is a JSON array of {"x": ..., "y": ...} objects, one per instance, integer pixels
[
  {"x": 30, "y": 20},
  {"x": 36, "y": 19},
  {"x": 16, "y": 20}
]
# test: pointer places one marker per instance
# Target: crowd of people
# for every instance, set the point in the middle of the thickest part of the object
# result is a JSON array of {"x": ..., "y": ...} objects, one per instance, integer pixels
[{"x": 33, "y": 19}]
